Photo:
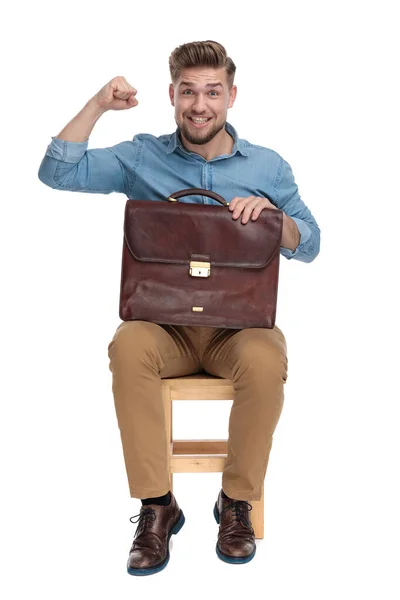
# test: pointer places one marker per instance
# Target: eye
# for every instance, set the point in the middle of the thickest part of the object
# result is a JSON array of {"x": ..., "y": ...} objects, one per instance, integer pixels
[
  {"x": 184, "y": 92},
  {"x": 214, "y": 92}
]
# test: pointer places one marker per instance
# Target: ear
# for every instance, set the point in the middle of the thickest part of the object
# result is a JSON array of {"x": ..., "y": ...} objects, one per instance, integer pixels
[
  {"x": 171, "y": 94},
  {"x": 232, "y": 96}
]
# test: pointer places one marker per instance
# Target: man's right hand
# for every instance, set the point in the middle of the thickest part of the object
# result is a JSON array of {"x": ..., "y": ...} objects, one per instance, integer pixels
[{"x": 117, "y": 94}]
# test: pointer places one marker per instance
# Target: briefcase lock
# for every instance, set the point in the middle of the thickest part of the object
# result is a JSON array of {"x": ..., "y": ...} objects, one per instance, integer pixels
[{"x": 199, "y": 269}]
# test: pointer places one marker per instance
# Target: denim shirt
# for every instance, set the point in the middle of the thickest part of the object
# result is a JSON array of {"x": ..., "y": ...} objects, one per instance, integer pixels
[{"x": 150, "y": 167}]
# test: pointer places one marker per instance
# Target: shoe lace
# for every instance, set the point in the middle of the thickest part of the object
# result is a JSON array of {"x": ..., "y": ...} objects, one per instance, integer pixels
[
  {"x": 240, "y": 510},
  {"x": 146, "y": 515}
]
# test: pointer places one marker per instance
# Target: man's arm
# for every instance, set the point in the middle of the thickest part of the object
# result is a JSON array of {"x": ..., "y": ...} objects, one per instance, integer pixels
[
  {"x": 68, "y": 165},
  {"x": 304, "y": 244},
  {"x": 290, "y": 234},
  {"x": 81, "y": 126},
  {"x": 300, "y": 232}
]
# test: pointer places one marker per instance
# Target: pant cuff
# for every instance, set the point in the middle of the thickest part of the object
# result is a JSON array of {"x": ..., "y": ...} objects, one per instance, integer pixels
[{"x": 142, "y": 494}]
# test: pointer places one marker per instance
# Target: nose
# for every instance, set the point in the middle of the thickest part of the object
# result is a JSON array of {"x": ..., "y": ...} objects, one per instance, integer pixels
[{"x": 199, "y": 104}]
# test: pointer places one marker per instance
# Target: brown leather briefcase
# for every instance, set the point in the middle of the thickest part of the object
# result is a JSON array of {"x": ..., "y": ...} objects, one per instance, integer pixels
[{"x": 193, "y": 264}]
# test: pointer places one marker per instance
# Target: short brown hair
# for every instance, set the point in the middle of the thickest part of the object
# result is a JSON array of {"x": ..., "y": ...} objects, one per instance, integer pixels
[{"x": 201, "y": 54}]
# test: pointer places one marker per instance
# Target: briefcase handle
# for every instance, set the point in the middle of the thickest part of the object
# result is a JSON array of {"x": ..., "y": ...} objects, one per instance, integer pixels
[{"x": 197, "y": 192}]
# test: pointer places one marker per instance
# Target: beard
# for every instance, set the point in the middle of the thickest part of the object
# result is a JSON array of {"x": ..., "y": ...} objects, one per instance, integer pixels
[{"x": 200, "y": 137}]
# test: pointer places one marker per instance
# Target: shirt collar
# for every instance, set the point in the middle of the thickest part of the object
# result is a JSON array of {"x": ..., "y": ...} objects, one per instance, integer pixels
[{"x": 238, "y": 145}]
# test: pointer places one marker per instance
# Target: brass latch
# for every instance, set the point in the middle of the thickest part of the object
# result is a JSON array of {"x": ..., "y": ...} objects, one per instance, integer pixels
[{"x": 199, "y": 269}]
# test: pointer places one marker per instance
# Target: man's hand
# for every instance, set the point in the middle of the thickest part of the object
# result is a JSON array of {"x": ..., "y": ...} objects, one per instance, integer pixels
[
  {"x": 117, "y": 94},
  {"x": 253, "y": 205},
  {"x": 250, "y": 207}
]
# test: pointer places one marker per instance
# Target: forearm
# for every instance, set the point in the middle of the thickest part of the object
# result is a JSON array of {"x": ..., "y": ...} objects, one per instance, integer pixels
[
  {"x": 81, "y": 126},
  {"x": 290, "y": 234}
]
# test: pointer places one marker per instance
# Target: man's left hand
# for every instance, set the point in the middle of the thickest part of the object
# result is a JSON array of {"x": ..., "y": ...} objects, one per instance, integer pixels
[{"x": 250, "y": 207}]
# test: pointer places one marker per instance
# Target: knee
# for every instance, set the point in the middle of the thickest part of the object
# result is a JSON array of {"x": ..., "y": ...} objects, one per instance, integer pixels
[{"x": 263, "y": 358}]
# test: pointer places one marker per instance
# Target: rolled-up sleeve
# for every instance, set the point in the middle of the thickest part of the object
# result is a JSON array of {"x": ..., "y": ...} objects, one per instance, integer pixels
[
  {"x": 70, "y": 166},
  {"x": 288, "y": 200}
]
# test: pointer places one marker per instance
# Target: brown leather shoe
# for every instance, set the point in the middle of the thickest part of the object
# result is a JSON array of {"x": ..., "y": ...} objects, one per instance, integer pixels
[
  {"x": 149, "y": 552},
  {"x": 236, "y": 540}
]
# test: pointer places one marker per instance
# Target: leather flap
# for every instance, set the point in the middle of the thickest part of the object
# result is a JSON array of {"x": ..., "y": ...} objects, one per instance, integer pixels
[{"x": 172, "y": 232}]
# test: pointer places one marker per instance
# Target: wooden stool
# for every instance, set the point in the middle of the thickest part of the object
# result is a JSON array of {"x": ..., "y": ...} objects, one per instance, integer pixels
[{"x": 202, "y": 456}]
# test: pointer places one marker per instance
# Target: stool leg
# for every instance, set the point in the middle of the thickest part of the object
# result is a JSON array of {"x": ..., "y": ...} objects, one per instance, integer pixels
[
  {"x": 257, "y": 515},
  {"x": 167, "y": 400}
]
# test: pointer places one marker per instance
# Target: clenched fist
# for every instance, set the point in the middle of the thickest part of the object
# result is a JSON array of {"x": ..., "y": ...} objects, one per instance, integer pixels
[{"x": 117, "y": 94}]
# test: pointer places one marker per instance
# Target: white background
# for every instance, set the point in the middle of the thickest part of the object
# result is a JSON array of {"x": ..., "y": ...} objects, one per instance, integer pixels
[{"x": 317, "y": 83}]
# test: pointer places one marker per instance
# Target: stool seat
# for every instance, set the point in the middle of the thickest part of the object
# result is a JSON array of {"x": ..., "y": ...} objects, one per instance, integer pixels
[{"x": 202, "y": 456}]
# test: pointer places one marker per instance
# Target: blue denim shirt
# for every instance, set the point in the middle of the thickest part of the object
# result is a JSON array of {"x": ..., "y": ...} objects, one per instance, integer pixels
[{"x": 155, "y": 167}]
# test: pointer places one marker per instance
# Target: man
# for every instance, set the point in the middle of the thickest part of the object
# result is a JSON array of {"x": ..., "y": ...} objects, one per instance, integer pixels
[{"x": 204, "y": 152}]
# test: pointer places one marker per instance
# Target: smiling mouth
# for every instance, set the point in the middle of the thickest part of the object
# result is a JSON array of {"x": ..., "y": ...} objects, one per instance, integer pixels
[{"x": 200, "y": 122}]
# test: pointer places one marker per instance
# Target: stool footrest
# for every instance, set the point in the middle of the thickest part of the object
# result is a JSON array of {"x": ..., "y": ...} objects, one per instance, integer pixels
[{"x": 196, "y": 463}]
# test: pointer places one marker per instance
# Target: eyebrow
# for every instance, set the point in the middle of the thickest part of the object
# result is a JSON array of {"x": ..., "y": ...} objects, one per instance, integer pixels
[{"x": 190, "y": 83}]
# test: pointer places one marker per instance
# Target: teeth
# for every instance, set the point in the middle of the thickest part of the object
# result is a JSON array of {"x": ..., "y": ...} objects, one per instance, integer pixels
[{"x": 199, "y": 120}]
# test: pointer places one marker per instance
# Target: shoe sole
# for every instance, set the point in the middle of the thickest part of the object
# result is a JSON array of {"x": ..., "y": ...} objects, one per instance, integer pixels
[
  {"x": 150, "y": 570},
  {"x": 233, "y": 560}
]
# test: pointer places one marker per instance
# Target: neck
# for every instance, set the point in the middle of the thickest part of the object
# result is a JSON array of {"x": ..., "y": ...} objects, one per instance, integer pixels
[{"x": 222, "y": 143}]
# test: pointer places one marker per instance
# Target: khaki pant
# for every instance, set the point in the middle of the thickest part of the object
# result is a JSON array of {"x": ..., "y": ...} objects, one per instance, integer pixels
[{"x": 255, "y": 359}]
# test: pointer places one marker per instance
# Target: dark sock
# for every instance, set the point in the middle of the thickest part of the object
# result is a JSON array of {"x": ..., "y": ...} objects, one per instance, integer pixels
[{"x": 161, "y": 500}]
